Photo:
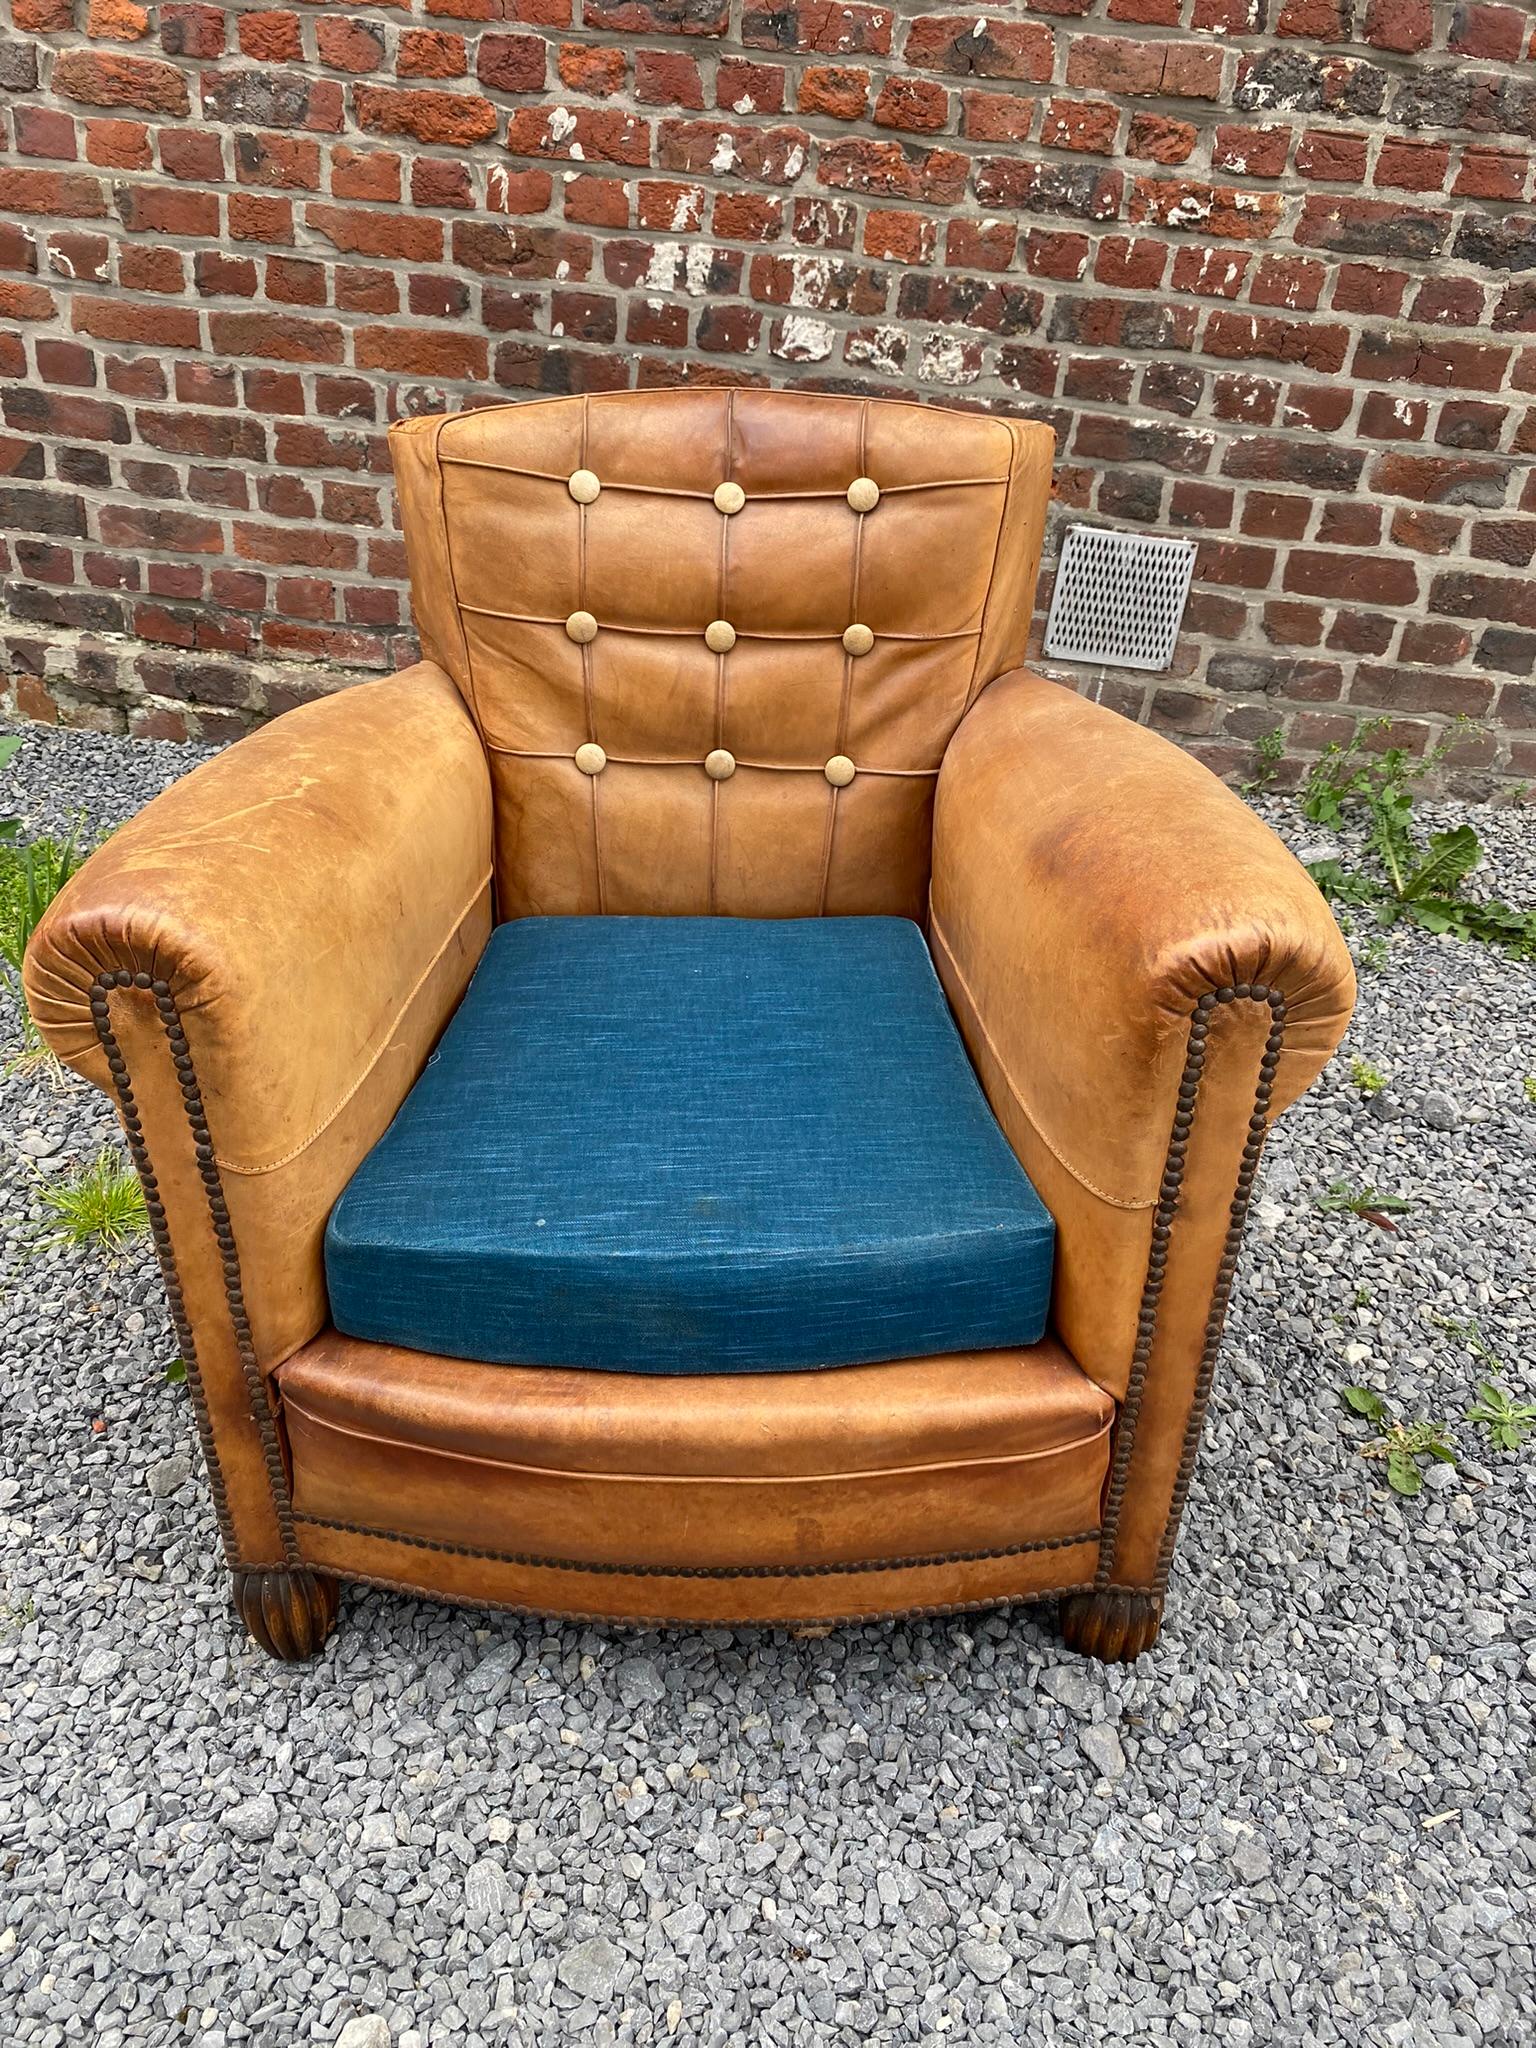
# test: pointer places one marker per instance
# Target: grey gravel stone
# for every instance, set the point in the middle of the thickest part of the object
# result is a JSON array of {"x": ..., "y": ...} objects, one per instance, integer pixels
[
  {"x": 887, "y": 1837},
  {"x": 253, "y": 1820},
  {"x": 1069, "y": 1919},
  {"x": 1439, "y": 1110},
  {"x": 592, "y": 1968},
  {"x": 988, "y": 1961},
  {"x": 367, "y": 2030},
  {"x": 1102, "y": 1746},
  {"x": 166, "y": 1474}
]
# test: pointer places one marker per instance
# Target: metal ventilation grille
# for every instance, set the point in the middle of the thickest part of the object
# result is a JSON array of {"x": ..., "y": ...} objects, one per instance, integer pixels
[{"x": 1119, "y": 598}]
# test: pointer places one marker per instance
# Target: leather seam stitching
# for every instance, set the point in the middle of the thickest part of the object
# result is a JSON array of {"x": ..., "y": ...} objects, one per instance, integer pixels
[
  {"x": 728, "y": 1571},
  {"x": 295, "y": 1407},
  {"x": 937, "y": 938},
  {"x": 287, "y": 1158},
  {"x": 549, "y": 476},
  {"x": 453, "y": 581},
  {"x": 973, "y": 688}
]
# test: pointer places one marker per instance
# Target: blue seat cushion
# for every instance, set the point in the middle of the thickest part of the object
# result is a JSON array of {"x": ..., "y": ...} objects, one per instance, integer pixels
[{"x": 694, "y": 1145}]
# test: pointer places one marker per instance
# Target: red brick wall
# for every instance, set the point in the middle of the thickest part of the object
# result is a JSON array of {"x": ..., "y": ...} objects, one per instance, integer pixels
[{"x": 1267, "y": 266}]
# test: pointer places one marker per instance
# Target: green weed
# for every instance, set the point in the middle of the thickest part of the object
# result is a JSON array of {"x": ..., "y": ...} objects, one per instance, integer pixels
[
  {"x": 1369, "y": 1079},
  {"x": 1403, "y": 1447},
  {"x": 101, "y": 1204},
  {"x": 1421, "y": 883}
]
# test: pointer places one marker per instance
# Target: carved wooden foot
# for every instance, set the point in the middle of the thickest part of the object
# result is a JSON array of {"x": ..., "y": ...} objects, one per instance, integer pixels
[
  {"x": 289, "y": 1613},
  {"x": 1115, "y": 1626}
]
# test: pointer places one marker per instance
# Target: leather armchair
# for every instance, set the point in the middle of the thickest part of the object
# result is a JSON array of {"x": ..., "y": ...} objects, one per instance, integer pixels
[{"x": 702, "y": 654}]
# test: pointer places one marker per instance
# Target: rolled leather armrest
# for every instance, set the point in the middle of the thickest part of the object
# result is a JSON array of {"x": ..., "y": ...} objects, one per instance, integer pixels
[
  {"x": 255, "y": 968},
  {"x": 1145, "y": 978}
]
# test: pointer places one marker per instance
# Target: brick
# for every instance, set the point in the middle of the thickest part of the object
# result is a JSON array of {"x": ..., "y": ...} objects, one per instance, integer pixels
[
  {"x": 430, "y": 53},
  {"x": 290, "y": 162},
  {"x": 979, "y": 245},
  {"x": 150, "y": 326},
  {"x": 1370, "y": 227},
  {"x": 1336, "y": 157},
  {"x": 898, "y": 237},
  {"x": 1163, "y": 141},
  {"x": 1127, "y": 265},
  {"x": 840, "y": 91},
  {"x": 1495, "y": 34},
  {"x": 116, "y": 21},
  {"x": 192, "y": 31},
  {"x": 666, "y": 78},
  {"x": 45, "y": 131},
  {"x": 1403, "y": 26},
  {"x": 279, "y": 337},
  {"x": 1365, "y": 288},
  {"x": 981, "y": 46},
  {"x": 120, "y": 145},
  {"x": 353, "y": 46},
  {"x": 1407, "y": 166},
  {"x": 358, "y": 232},
  {"x": 270, "y": 36},
  {"x": 598, "y": 202},
  {"x": 892, "y": 170},
  {"x": 1320, "y": 347},
  {"x": 599, "y": 71},
  {"x": 1169, "y": 70},
  {"x": 1083, "y": 191},
  {"x": 458, "y": 119},
  {"x": 1225, "y": 211},
  {"x": 1294, "y": 282},
  {"x": 915, "y": 104},
  {"x": 995, "y": 116},
  {"x": 1491, "y": 174},
  {"x": 97, "y": 80},
  {"x": 1426, "y": 533},
  {"x": 1377, "y": 579},
  {"x": 185, "y": 153},
  {"x": 1255, "y": 152},
  {"x": 1085, "y": 125},
  {"x": 364, "y": 173},
  {"x": 749, "y": 88},
  {"x": 586, "y": 133},
  {"x": 658, "y": 17}
]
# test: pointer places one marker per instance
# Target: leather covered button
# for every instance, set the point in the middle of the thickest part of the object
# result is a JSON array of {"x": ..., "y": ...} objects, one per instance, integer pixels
[
  {"x": 581, "y": 627},
  {"x": 719, "y": 636},
  {"x": 590, "y": 758},
  {"x": 719, "y": 766},
  {"x": 858, "y": 639},
  {"x": 729, "y": 498},
  {"x": 583, "y": 486},
  {"x": 863, "y": 494},
  {"x": 839, "y": 771}
]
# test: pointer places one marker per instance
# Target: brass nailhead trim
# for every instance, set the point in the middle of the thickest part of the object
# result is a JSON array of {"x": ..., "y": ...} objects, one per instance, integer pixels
[
  {"x": 1157, "y": 1264},
  {"x": 223, "y": 1231},
  {"x": 702, "y": 1571}
]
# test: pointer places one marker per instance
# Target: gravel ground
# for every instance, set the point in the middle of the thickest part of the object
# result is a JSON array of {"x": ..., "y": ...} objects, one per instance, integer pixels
[{"x": 1305, "y": 1819}]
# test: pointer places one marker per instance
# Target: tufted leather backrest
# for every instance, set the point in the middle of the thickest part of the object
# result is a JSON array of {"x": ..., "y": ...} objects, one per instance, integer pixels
[{"x": 716, "y": 642}]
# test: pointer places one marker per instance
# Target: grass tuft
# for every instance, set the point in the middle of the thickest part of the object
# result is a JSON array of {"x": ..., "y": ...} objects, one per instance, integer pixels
[{"x": 100, "y": 1205}]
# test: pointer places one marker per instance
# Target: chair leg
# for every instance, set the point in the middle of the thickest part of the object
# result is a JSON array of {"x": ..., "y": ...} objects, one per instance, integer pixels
[
  {"x": 1115, "y": 1625},
  {"x": 289, "y": 1613}
]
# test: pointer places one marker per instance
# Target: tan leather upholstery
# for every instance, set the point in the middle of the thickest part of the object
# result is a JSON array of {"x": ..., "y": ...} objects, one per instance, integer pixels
[
  {"x": 304, "y": 912},
  {"x": 773, "y": 578},
  {"x": 702, "y": 651},
  {"x": 862, "y": 1468},
  {"x": 1091, "y": 885}
]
